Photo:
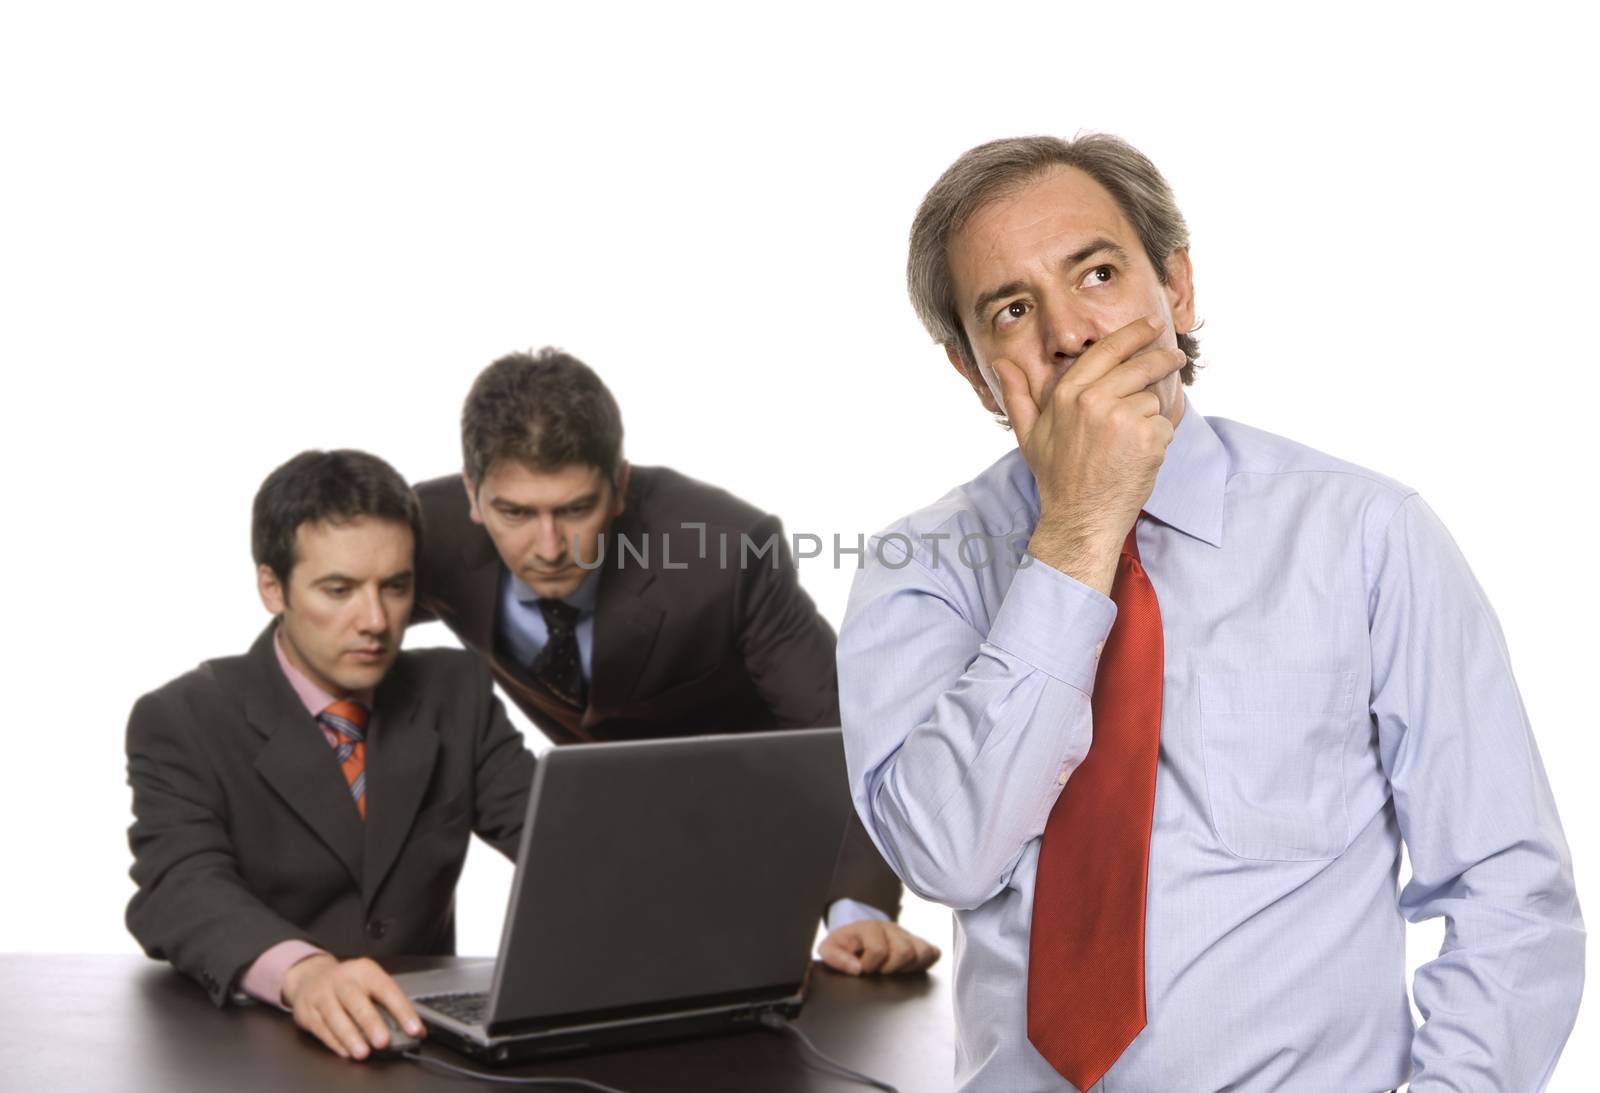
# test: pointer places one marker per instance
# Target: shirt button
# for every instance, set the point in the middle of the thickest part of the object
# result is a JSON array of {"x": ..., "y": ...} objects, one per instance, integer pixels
[
  {"x": 376, "y": 929},
  {"x": 1061, "y": 778}
]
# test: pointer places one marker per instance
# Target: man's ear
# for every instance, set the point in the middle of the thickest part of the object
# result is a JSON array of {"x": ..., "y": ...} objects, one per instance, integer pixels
[
  {"x": 973, "y": 376},
  {"x": 472, "y": 498},
  {"x": 620, "y": 488},
  {"x": 1180, "y": 290},
  {"x": 274, "y": 597}
]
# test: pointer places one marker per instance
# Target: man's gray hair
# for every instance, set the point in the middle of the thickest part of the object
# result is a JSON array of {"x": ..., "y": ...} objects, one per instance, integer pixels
[{"x": 1004, "y": 166}]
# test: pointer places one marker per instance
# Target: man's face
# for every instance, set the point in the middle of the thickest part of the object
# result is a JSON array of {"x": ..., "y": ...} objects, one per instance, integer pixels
[
  {"x": 349, "y": 595},
  {"x": 1043, "y": 273},
  {"x": 543, "y": 522}
]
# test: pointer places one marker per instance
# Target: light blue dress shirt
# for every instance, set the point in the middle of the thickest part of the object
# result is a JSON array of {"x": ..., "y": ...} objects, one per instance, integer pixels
[
  {"x": 1335, "y": 682},
  {"x": 522, "y": 625}
]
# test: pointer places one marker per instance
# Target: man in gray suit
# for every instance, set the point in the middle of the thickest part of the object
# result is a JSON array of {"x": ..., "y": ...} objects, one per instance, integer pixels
[{"x": 305, "y": 807}]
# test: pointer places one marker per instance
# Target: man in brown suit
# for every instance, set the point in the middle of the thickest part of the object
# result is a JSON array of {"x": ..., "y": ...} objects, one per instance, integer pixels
[
  {"x": 274, "y": 852},
  {"x": 616, "y": 602}
]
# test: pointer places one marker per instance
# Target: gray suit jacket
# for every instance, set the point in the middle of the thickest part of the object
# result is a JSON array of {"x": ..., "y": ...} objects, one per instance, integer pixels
[{"x": 245, "y": 834}]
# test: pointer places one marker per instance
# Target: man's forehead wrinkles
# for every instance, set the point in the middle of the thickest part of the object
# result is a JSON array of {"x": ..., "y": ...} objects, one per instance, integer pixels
[{"x": 1044, "y": 256}]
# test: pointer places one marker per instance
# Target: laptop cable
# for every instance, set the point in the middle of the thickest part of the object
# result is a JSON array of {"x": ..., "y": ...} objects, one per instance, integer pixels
[
  {"x": 780, "y": 1023},
  {"x": 507, "y": 1079}
]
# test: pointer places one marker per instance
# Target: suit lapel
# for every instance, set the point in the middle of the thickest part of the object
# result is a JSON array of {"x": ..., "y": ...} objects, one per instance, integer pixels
[
  {"x": 626, "y": 622},
  {"x": 401, "y": 752},
  {"x": 296, "y": 761}
]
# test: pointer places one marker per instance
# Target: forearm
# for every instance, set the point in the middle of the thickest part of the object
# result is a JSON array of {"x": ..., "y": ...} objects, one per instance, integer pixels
[
  {"x": 959, "y": 742},
  {"x": 1071, "y": 543},
  {"x": 263, "y": 979},
  {"x": 192, "y": 907},
  {"x": 1500, "y": 999},
  {"x": 1475, "y": 809},
  {"x": 954, "y": 814},
  {"x": 786, "y": 646},
  {"x": 504, "y": 775},
  {"x": 862, "y": 876},
  {"x": 203, "y": 920}
]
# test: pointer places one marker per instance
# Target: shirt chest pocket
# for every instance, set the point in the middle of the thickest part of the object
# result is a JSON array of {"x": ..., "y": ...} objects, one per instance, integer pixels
[{"x": 1274, "y": 757}]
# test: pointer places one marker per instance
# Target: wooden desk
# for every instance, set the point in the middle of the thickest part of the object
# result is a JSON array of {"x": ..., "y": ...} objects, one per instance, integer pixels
[{"x": 124, "y": 1023}]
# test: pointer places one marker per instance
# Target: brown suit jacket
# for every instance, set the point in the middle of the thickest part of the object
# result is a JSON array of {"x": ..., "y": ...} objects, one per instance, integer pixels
[
  {"x": 245, "y": 835},
  {"x": 683, "y": 644}
]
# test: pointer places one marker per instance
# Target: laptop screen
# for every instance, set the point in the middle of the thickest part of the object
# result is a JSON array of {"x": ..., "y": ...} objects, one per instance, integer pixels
[{"x": 671, "y": 874}]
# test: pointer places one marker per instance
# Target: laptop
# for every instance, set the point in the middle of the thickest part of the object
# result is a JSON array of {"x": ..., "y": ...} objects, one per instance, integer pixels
[{"x": 664, "y": 888}]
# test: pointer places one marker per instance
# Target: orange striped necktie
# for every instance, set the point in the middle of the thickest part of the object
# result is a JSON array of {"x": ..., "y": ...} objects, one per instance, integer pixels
[
  {"x": 1086, "y": 948},
  {"x": 349, "y": 721}
]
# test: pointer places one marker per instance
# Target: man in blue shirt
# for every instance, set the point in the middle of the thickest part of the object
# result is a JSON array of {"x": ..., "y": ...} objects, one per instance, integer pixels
[{"x": 1327, "y": 679}]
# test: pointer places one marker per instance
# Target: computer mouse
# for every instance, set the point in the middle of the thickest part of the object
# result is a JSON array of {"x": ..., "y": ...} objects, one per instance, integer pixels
[{"x": 400, "y": 1041}]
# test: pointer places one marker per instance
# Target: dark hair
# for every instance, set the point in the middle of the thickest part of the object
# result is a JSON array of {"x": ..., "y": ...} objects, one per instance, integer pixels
[
  {"x": 999, "y": 167},
  {"x": 334, "y": 486},
  {"x": 544, "y": 410}
]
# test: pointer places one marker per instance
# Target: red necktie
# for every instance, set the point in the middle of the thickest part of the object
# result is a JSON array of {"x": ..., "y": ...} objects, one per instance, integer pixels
[{"x": 1086, "y": 949}]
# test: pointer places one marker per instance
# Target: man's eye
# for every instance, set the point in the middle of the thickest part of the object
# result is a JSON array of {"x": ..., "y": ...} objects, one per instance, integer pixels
[
  {"x": 337, "y": 591},
  {"x": 1099, "y": 275},
  {"x": 1009, "y": 314}
]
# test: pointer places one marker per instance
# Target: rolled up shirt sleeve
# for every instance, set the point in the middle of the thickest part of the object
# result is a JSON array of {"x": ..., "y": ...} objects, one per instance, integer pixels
[{"x": 959, "y": 740}]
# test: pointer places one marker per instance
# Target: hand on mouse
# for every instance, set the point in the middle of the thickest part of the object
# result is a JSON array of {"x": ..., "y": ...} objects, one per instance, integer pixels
[{"x": 339, "y": 1003}]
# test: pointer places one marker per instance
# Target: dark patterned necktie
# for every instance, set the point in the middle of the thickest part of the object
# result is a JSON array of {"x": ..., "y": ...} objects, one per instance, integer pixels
[
  {"x": 1086, "y": 948},
  {"x": 558, "y": 665}
]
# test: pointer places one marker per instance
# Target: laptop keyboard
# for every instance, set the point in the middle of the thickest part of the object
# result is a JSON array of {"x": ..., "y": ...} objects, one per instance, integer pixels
[{"x": 470, "y": 1008}]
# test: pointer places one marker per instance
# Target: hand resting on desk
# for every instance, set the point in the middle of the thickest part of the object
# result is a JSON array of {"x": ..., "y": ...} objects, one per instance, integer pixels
[{"x": 868, "y": 946}]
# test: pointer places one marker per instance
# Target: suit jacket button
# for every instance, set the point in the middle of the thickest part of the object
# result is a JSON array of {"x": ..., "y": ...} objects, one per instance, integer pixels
[{"x": 377, "y": 928}]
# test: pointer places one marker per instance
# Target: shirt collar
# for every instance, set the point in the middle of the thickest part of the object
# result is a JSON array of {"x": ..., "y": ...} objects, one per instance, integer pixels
[
  {"x": 1192, "y": 480},
  {"x": 583, "y": 597},
  {"x": 312, "y": 696}
]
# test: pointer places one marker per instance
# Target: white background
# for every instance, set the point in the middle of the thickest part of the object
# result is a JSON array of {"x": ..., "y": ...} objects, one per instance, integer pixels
[{"x": 230, "y": 233}]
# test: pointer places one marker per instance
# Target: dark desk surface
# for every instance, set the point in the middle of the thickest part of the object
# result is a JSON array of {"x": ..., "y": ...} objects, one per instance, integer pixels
[{"x": 129, "y": 1024}]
